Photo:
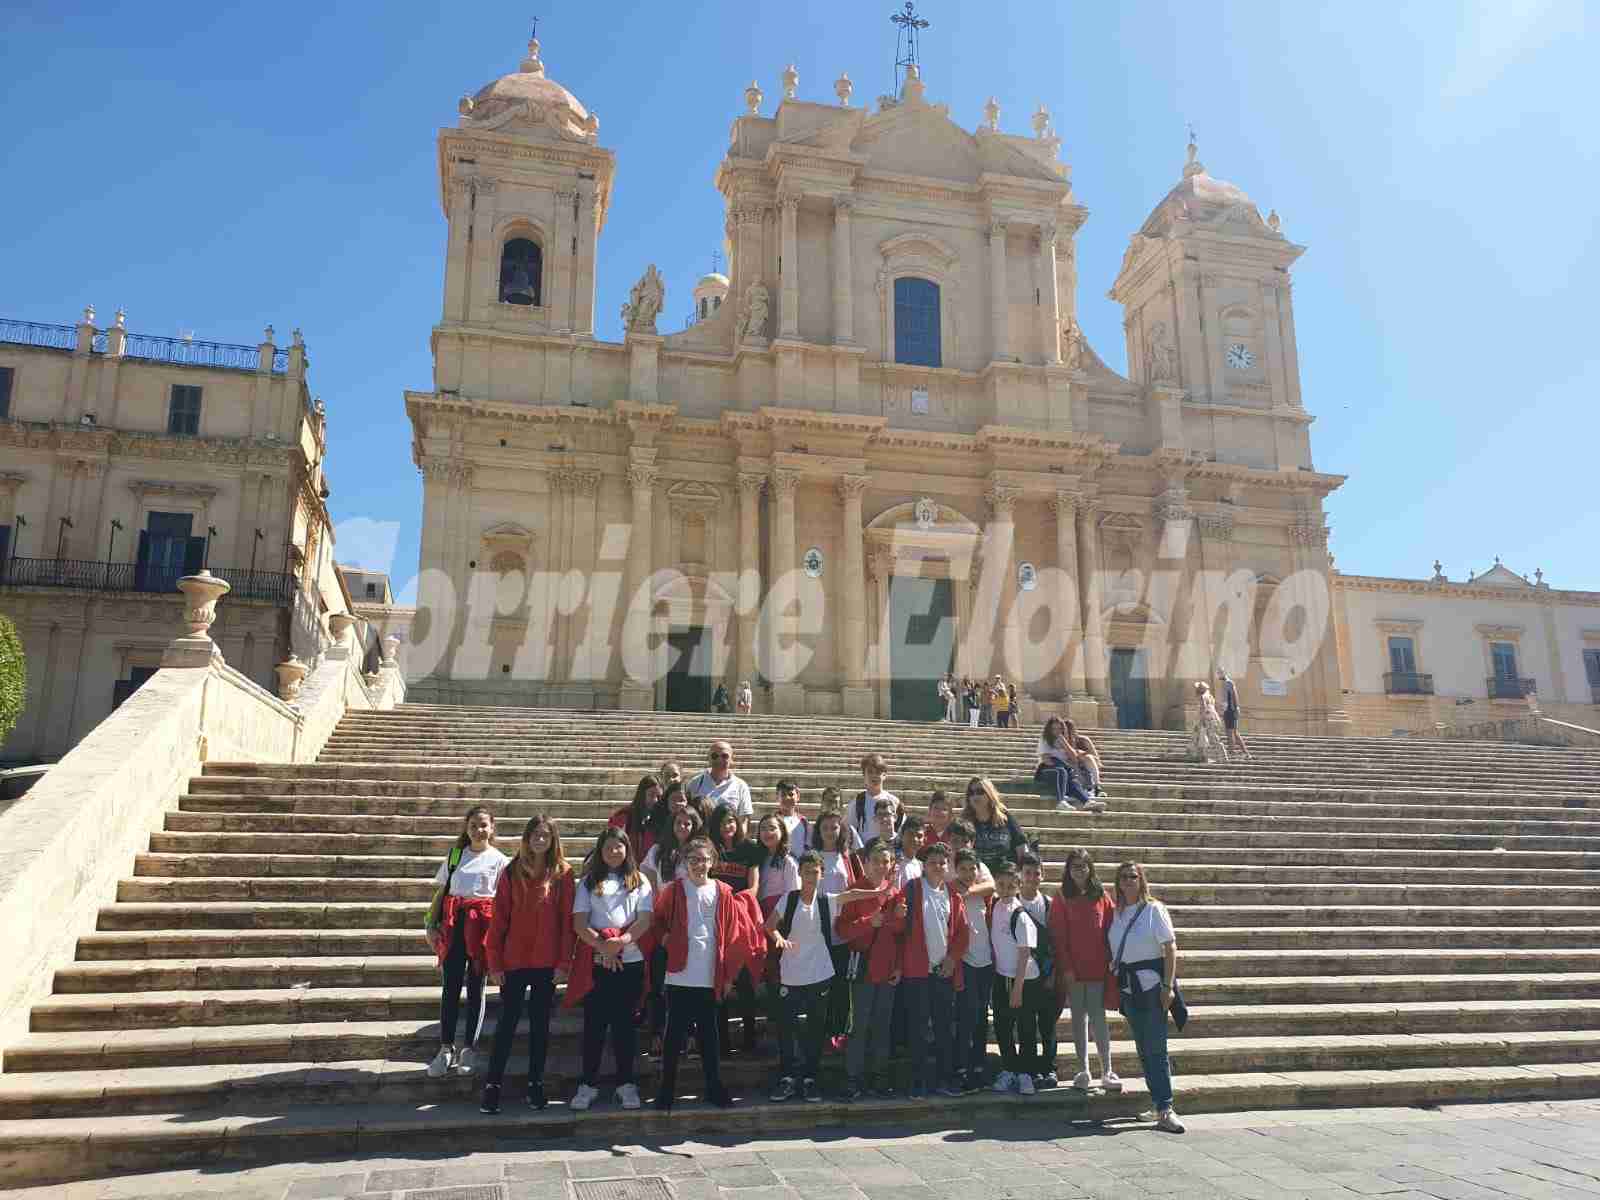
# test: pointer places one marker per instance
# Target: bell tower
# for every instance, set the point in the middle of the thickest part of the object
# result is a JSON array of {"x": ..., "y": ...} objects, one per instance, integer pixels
[{"x": 1209, "y": 320}]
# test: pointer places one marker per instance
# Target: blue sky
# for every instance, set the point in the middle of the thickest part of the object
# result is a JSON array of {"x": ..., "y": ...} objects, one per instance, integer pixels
[{"x": 216, "y": 167}]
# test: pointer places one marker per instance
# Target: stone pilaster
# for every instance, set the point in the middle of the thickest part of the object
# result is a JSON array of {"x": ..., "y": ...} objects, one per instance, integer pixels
[
  {"x": 1094, "y": 638},
  {"x": 843, "y": 310},
  {"x": 749, "y": 599},
  {"x": 787, "y": 694},
  {"x": 999, "y": 296},
  {"x": 1049, "y": 297},
  {"x": 789, "y": 304},
  {"x": 1002, "y": 500},
  {"x": 640, "y": 692},
  {"x": 857, "y": 696},
  {"x": 1065, "y": 507}
]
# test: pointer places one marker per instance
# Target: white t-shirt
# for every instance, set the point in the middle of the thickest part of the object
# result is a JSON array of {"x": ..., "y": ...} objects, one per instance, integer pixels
[
  {"x": 1050, "y": 754},
  {"x": 835, "y": 873},
  {"x": 700, "y": 910},
  {"x": 779, "y": 880},
  {"x": 1039, "y": 907},
  {"x": 1004, "y": 946},
  {"x": 807, "y": 960},
  {"x": 732, "y": 791},
  {"x": 935, "y": 922},
  {"x": 652, "y": 862},
  {"x": 865, "y": 828},
  {"x": 1150, "y": 933},
  {"x": 799, "y": 832},
  {"x": 746, "y": 698},
  {"x": 615, "y": 907},
  {"x": 476, "y": 875},
  {"x": 906, "y": 870}
]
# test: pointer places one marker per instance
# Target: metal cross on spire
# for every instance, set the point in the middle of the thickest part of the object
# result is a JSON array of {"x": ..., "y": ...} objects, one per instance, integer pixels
[
  {"x": 905, "y": 42},
  {"x": 535, "y": 32}
]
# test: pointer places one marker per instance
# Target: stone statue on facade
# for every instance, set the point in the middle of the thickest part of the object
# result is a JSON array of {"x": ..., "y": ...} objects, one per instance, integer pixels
[
  {"x": 757, "y": 304},
  {"x": 644, "y": 302},
  {"x": 1071, "y": 344},
  {"x": 1161, "y": 356}
]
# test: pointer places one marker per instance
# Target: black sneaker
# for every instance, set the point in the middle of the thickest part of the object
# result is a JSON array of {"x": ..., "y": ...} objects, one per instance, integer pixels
[
  {"x": 810, "y": 1092},
  {"x": 886, "y": 1091},
  {"x": 662, "y": 1103},
  {"x": 722, "y": 1098},
  {"x": 917, "y": 1092},
  {"x": 536, "y": 1096},
  {"x": 972, "y": 1082},
  {"x": 853, "y": 1091},
  {"x": 491, "y": 1099},
  {"x": 784, "y": 1090}
]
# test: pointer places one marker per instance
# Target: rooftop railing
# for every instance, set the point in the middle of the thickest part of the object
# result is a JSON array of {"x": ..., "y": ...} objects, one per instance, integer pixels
[{"x": 185, "y": 352}]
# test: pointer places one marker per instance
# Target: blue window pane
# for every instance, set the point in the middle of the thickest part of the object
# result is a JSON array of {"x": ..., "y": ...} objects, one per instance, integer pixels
[{"x": 916, "y": 322}]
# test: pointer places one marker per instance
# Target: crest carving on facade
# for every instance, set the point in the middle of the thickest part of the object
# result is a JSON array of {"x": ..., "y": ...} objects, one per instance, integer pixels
[{"x": 926, "y": 513}]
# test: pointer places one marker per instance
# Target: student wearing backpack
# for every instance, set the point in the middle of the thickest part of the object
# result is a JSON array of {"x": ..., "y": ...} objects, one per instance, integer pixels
[
  {"x": 872, "y": 925},
  {"x": 1015, "y": 940},
  {"x": 874, "y": 770},
  {"x": 976, "y": 887},
  {"x": 801, "y": 929},
  {"x": 458, "y": 925},
  {"x": 933, "y": 946},
  {"x": 1037, "y": 1040}
]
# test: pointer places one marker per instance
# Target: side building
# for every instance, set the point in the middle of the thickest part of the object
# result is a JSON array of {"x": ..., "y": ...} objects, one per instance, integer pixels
[{"x": 128, "y": 461}]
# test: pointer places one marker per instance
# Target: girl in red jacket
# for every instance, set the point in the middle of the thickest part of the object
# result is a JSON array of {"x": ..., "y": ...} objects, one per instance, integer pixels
[
  {"x": 529, "y": 947},
  {"x": 930, "y": 967},
  {"x": 1079, "y": 922},
  {"x": 872, "y": 926},
  {"x": 702, "y": 926}
]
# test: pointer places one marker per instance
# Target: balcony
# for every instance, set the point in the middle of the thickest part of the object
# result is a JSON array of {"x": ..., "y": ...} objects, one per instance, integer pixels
[
  {"x": 184, "y": 352},
  {"x": 1407, "y": 683},
  {"x": 82, "y": 575},
  {"x": 1506, "y": 687}
]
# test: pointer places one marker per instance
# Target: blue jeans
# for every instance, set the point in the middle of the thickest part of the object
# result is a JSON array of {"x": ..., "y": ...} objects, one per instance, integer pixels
[
  {"x": 931, "y": 1012},
  {"x": 1148, "y": 1021},
  {"x": 1061, "y": 778}
]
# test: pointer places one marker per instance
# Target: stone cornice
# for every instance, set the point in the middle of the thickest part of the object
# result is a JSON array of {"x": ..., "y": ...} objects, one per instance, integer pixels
[
  {"x": 1462, "y": 591},
  {"x": 173, "y": 487},
  {"x": 1294, "y": 416},
  {"x": 113, "y": 443}
]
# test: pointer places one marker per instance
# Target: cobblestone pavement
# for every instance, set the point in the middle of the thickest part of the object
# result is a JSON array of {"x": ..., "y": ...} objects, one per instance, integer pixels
[{"x": 1533, "y": 1151}]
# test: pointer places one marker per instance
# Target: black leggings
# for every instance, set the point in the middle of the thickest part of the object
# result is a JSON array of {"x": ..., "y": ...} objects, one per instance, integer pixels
[
  {"x": 745, "y": 989},
  {"x": 691, "y": 1008},
  {"x": 609, "y": 1008},
  {"x": 538, "y": 985},
  {"x": 458, "y": 969}
]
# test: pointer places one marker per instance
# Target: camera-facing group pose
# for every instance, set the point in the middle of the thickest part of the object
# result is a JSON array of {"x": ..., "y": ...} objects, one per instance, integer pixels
[{"x": 861, "y": 929}]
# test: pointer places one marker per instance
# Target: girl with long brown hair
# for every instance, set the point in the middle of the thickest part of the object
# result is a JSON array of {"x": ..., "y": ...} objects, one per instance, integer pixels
[
  {"x": 1079, "y": 921},
  {"x": 1058, "y": 759},
  {"x": 638, "y": 819},
  {"x": 458, "y": 923}
]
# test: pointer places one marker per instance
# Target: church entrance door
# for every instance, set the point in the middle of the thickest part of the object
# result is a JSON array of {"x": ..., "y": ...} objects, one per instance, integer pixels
[
  {"x": 922, "y": 632},
  {"x": 689, "y": 683},
  {"x": 1130, "y": 688}
]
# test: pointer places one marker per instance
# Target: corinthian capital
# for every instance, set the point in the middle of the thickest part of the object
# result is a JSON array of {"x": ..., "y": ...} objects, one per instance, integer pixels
[
  {"x": 751, "y": 485},
  {"x": 997, "y": 229},
  {"x": 1002, "y": 499},
  {"x": 642, "y": 478},
  {"x": 784, "y": 484},
  {"x": 1065, "y": 506},
  {"x": 790, "y": 203},
  {"x": 850, "y": 487}
]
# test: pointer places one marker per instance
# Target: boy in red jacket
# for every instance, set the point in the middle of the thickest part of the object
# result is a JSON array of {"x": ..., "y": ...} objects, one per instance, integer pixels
[
  {"x": 701, "y": 925},
  {"x": 871, "y": 925},
  {"x": 930, "y": 965}
]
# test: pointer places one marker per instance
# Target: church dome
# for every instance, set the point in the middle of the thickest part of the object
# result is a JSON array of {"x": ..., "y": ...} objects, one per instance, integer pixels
[
  {"x": 709, "y": 294},
  {"x": 1201, "y": 199},
  {"x": 530, "y": 101}
]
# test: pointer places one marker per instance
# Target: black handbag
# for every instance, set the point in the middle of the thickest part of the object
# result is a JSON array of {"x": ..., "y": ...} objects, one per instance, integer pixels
[{"x": 1129, "y": 972}]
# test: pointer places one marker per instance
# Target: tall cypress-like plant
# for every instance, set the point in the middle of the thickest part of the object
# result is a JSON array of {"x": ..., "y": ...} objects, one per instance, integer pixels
[{"x": 13, "y": 677}]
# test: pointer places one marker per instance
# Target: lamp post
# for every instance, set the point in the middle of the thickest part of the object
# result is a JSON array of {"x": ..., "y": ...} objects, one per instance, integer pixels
[
  {"x": 255, "y": 544},
  {"x": 111, "y": 549},
  {"x": 61, "y": 541},
  {"x": 205, "y": 557},
  {"x": 16, "y": 536}
]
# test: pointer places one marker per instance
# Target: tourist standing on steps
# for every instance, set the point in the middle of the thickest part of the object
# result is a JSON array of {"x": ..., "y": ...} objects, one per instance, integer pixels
[
  {"x": 1013, "y": 938},
  {"x": 1144, "y": 957},
  {"x": 747, "y": 698},
  {"x": 1080, "y": 920},
  {"x": 1230, "y": 714},
  {"x": 639, "y": 819},
  {"x": 610, "y": 913},
  {"x": 1058, "y": 760},
  {"x": 872, "y": 927},
  {"x": 719, "y": 701},
  {"x": 718, "y": 786},
  {"x": 996, "y": 836},
  {"x": 458, "y": 924},
  {"x": 976, "y": 887},
  {"x": 529, "y": 950},
  {"x": 1207, "y": 728}
]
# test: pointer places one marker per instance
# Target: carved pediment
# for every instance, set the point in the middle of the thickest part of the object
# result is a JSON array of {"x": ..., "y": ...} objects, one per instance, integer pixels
[
  {"x": 507, "y": 536},
  {"x": 694, "y": 493},
  {"x": 921, "y": 142}
]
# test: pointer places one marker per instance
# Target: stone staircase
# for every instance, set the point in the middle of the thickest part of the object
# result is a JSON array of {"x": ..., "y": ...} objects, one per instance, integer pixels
[{"x": 1360, "y": 922}]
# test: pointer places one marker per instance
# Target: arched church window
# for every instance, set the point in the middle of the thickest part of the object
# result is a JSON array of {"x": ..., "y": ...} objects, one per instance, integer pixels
[
  {"x": 521, "y": 272},
  {"x": 916, "y": 322}
]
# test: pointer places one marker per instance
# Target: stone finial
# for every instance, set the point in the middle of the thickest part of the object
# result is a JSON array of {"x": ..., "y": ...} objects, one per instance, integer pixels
[
  {"x": 913, "y": 89},
  {"x": 843, "y": 88},
  {"x": 533, "y": 64},
  {"x": 1497, "y": 560},
  {"x": 1193, "y": 166},
  {"x": 991, "y": 115},
  {"x": 1041, "y": 121},
  {"x": 299, "y": 339},
  {"x": 465, "y": 105},
  {"x": 340, "y": 625},
  {"x": 267, "y": 335},
  {"x": 391, "y": 651},
  {"x": 291, "y": 674},
  {"x": 1273, "y": 222},
  {"x": 1438, "y": 572},
  {"x": 194, "y": 647},
  {"x": 791, "y": 81},
  {"x": 122, "y": 318},
  {"x": 88, "y": 314},
  {"x": 1538, "y": 577},
  {"x": 753, "y": 96}
]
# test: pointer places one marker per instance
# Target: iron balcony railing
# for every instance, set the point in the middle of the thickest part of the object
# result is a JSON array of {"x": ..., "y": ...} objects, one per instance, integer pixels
[
  {"x": 1408, "y": 683},
  {"x": 85, "y": 575},
  {"x": 35, "y": 333},
  {"x": 1506, "y": 687},
  {"x": 185, "y": 352}
]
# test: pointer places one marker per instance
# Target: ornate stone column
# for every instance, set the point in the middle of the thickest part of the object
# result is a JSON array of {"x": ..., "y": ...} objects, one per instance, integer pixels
[
  {"x": 1094, "y": 638},
  {"x": 588, "y": 666},
  {"x": 844, "y": 333},
  {"x": 999, "y": 297},
  {"x": 1065, "y": 507},
  {"x": 1002, "y": 500},
  {"x": 787, "y": 694},
  {"x": 1216, "y": 536},
  {"x": 1324, "y": 698},
  {"x": 857, "y": 697},
  {"x": 1050, "y": 296},
  {"x": 749, "y": 598},
  {"x": 639, "y": 692},
  {"x": 789, "y": 267}
]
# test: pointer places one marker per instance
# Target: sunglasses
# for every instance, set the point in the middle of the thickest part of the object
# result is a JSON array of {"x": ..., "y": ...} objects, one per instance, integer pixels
[{"x": 720, "y": 757}]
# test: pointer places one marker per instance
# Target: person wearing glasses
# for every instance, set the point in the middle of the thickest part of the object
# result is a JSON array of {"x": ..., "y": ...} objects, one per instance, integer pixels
[
  {"x": 718, "y": 786},
  {"x": 1144, "y": 958}
]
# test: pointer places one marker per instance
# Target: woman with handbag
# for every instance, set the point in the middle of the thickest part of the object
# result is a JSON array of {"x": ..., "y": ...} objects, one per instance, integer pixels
[
  {"x": 1145, "y": 960},
  {"x": 457, "y": 926}
]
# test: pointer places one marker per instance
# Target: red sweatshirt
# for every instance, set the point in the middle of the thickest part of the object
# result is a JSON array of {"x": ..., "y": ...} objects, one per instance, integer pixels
[
  {"x": 670, "y": 924},
  {"x": 881, "y": 945},
  {"x": 914, "y": 956},
  {"x": 532, "y": 923},
  {"x": 1078, "y": 930}
]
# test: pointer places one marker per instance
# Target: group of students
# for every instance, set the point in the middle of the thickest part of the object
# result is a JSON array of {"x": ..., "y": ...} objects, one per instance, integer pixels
[{"x": 869, "y": 930}]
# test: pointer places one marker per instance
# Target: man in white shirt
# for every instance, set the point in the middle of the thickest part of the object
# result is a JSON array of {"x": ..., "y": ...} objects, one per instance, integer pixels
[
  {"x": 717, "y": 784},
  {"x": 801, "y": 926}
]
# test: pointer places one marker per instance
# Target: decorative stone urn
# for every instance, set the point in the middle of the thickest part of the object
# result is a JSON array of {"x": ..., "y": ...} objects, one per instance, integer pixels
[
  {"x": 194, "y": 647},
  {"x": 340, "y": 625},
  {"x": 291, "y": 676},
  {"x": 391, "y": 650}
]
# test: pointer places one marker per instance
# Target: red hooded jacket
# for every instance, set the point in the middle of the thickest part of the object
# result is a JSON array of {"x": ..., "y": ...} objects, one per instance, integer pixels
[
  {"x": 914, "y": 962},
  {"x": 1078, "y": 930},
  {"x": 881, "y": 945},
  {"x": 532, "y": 923}
]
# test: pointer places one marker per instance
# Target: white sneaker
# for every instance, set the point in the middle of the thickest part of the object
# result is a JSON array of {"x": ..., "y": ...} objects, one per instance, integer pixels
[
  {"x": 1111, "y": 1081},
  {"x": 1004, "y": 1082},
  {"x": 1081, "y": 1081},
  {"x": 464, "y": 1062},
  {"x": 440, "y": 1064},
  {"x": 1066, "y": 806},
  {"x": 628, "y": 1095},
  {"x": 1096, "y": 806},
  {"x": 1025, "y": 1084},
  {"x": 585, "y": 1097},
  {"x": 1168, "y": 1122}
]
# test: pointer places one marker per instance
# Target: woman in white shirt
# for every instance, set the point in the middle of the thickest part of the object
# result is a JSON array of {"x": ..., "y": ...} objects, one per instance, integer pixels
[
  {"x": 610, "y": 913},
  {"x": 469, "y": 876},
  {"x": 1144, "y": 956},
  {"x": 1058, "y": 759}
]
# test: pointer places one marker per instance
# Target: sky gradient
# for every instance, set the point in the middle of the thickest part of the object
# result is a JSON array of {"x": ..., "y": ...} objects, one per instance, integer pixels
[{"x": 216, "y": 168}]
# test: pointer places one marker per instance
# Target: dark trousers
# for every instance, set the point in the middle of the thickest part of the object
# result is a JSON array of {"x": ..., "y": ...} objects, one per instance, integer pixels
[
  {"x": 1009, "y": 1022},
  {"x": 1037, "y": 1044},
  {"x": 800, "y": 1053},
  {"x": 839, "y": 994},
  {"x": 691, "y": 1008},
  {"x": 608, "y": 1009},
  {"x": 657, "y": 1003},
  {"x": 536, "y": 986},
  {"x": 1062, "y": 780},
  {"x": 458, "y": 969},
  {"x": 871, "y": 1022},
  {"x": 744, "y": 993},
  {"x": 972, "y": 1018},
  {"x": 931, "y": 1019},
  {"x": 1002, "y": 718}
]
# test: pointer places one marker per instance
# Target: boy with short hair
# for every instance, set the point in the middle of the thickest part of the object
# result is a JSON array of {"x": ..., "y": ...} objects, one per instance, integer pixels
[
  {"x": 1037, "y": 1039},
  {"x": 872, "y": 925},
  {"x": 908, "y": 851},
  {"x": 931, "y": 973},
  {"x": 938, "y": 818},
  {"x": 874, "y": 770},
  {"x": 800, "y": 928},
  {"x": 789, "y": 813},
  {"x": 1013, "y": 939},
  {"x": 975, "y": 886}
]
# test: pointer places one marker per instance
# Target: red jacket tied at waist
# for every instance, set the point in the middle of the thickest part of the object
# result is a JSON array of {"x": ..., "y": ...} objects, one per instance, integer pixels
[
  {"x": 739, "y": 932},
  {"x": 580, "y": 981},
  {"x": 532, "y": 923},
  {"x": 1078, "y": 931},
  {"x": 474, "y": 914},
  {"x": 914, "y": 962},
  {"x": 881, "y": 944}
]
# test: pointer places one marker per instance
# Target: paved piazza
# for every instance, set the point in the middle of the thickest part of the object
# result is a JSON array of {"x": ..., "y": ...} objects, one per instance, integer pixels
[{"x": 1539, "y": 1151}]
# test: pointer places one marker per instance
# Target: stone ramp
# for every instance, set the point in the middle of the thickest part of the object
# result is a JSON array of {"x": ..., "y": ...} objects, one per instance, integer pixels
[{"x": 1361, "y": 921}]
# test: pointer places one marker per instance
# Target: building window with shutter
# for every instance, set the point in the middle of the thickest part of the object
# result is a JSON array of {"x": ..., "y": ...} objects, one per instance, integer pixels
[
  {"x": 7, "y": 375},
  {"x": 168, "y": 550},
  {"x": 916, "y": 322},
  {"x": 183, "y": 415}
]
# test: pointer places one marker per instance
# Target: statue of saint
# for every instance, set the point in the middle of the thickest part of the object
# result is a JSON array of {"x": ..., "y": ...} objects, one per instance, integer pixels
[{"x": 644, "y": 302}]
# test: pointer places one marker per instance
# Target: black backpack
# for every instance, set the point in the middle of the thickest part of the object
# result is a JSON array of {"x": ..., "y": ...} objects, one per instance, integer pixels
[
  {"x": 863, "y": 817},
  {"x": 1043, "y": 951},
  {"x": 824, "y": 917}
]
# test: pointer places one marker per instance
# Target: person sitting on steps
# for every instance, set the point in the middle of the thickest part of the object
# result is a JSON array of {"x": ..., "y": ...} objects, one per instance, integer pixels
[{"x": 1058, "y": 759}]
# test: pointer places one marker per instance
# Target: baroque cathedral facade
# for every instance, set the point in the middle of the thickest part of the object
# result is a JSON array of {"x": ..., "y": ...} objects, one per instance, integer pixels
[{"x": 883, "y": 450}]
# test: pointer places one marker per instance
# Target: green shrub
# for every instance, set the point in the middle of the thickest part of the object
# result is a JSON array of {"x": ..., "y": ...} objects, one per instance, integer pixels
[{"x": 13, "y": 677}]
